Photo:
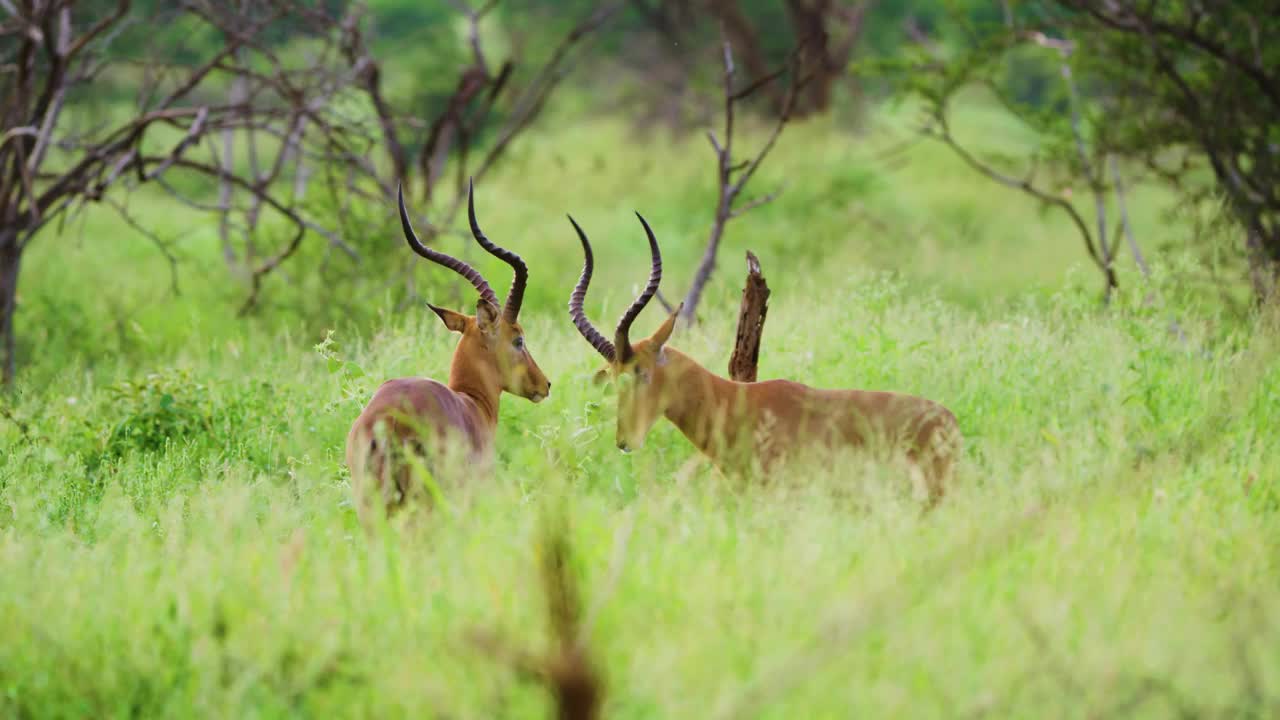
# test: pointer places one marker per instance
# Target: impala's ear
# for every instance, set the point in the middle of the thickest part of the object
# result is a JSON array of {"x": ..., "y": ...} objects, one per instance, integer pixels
[
  {"x": 455, "y": 321},
  {"x": 659, "y": 338},
  {"x": 601, "y": 375},
  {"x": 487, "y": 316}
]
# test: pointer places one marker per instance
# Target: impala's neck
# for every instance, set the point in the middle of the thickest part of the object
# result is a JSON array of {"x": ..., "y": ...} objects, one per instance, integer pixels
[
  {"x": 477, "y": 380},
  {"x": 699, "y": 402}
]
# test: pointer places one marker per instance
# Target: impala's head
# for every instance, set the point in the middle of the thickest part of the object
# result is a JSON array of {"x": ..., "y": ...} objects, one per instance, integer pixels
[
  {"x": 639, "y": 367},
  {"x": 492, "y": 338}
]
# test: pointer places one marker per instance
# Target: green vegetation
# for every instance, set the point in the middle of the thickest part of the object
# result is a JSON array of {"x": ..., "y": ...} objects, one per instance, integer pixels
[{"x": 176, "y": 535}]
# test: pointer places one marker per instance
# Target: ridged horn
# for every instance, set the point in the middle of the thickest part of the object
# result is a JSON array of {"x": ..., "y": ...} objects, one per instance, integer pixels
[
  {"x": 471, "y": 274},
  {"x": 515, "y": 296},
  {"x": 580, "y": 321},
  {"x": 621, "y": 336}
]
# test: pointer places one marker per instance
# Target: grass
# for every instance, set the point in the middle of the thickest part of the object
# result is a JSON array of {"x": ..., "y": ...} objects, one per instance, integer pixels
[{"x": 177, "y": 538}]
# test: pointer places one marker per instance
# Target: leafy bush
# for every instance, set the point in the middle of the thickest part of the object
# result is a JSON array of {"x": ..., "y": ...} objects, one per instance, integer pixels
[{"x": 162, "y": 409}]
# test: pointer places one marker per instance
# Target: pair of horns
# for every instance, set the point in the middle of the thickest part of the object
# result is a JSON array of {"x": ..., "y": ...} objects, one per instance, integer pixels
[
  {"x": 515, "y": 296},
  {"x": 620, "y": 348}
]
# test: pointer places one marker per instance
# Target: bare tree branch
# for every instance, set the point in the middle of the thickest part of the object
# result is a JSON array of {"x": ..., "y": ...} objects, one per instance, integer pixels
[
  {"x": 730, "y": 187},
  {"x": 108, "y": 154},
  {"x": 278, "y": 123},
  {"x": 162, "y": 246}
]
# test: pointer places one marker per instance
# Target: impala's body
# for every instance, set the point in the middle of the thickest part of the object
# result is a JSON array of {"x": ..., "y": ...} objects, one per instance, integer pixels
[
  {"x": 445, "y": 425},
  {"x": 754, "y": 425},
  {"x": 740, "y": 425}
]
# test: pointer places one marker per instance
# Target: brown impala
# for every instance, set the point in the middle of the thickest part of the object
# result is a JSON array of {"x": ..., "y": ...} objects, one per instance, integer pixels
[
  {"x": 429, "y": 418},
  {"x": 744, "y": 424}
]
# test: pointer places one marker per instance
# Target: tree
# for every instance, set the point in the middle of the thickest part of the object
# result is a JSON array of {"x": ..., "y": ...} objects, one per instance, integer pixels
[
  {"x": 55, "y": 156},
  {"x": 828, "y": 31},
  {"x": 1188, "y": 86},
  {"x": 1187, "y": 91},
  {"x": 275, "y": 90}
]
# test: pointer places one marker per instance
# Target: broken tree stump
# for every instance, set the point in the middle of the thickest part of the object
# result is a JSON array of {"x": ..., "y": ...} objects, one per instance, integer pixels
[{"x": 755, "y": 305}]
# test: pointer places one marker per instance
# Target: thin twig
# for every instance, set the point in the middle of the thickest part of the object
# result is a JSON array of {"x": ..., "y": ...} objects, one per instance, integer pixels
[
  {"x": 943, "y": 132},
  {"x": 163, "y": 247},
  {"x": 1117, "y": 180},
  {"x": 1064, "y": 50}
]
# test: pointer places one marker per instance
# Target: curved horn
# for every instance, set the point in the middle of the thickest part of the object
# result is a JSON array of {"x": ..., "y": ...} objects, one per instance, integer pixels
[
  {"x": 454, "y": 264},
  {"x": 580, "y": 321},
  {"x": 515, "y": 296},
  {"x": 620, "y": 336}
]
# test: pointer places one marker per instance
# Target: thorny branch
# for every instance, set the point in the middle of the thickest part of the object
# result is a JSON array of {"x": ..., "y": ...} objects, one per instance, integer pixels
[{"x": 1100, "y": 251}]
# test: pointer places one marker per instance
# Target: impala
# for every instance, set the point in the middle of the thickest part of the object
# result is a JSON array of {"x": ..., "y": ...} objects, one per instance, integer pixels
[
  {"x": 432, "y": 419},
  {"x": 741, "y": 425}
]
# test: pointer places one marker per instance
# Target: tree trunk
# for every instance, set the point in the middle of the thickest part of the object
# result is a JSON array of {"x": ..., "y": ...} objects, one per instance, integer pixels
[
  {"x": 1264, "y": 273},
  {"x": 10, "y": 261},
  {"x": 809, "y": 23},
  {"x": 755, "y": 305},
  {"x": 828, "y": 32},
  {"x": 1264, "y": 266},
  {"x": 746, "y": 44}
]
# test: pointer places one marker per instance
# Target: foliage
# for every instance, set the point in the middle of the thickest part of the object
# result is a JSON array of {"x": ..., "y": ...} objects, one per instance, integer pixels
[
  {"x": 157, "y": 410},
  {"x": 1193, "y": 92},
  {"x": 1182, "y": 93}
]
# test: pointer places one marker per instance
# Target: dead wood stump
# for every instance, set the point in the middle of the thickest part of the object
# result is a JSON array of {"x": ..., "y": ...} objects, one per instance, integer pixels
[{"x": 755, "y": 305}]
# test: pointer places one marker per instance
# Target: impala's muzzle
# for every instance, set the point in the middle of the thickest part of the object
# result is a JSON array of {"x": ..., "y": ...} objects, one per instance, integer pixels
[
  {"x": 530, "y": 382},
  {"x": 628, "y": 440}
]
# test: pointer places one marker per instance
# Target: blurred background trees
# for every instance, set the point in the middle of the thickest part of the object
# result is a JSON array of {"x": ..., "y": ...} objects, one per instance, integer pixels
[
  {"x": 290, "y": 123},
  {"x": 1183, "y": 94}
]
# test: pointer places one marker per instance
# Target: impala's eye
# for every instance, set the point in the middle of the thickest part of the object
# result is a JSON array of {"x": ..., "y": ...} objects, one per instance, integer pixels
[{"x": 518, "y": 343}]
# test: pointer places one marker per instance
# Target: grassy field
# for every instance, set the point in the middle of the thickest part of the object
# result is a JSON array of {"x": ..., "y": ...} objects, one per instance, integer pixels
[{"x": 177, "y": 538}]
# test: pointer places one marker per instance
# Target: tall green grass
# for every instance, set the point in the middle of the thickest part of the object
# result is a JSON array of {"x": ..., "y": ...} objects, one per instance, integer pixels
[{"x": 177, "y": 536}]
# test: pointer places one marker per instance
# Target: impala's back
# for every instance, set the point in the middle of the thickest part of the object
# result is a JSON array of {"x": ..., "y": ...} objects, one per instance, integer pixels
[
  {"x": 411, "y": 426},
  {"x": 761, "y": 423},
  {"x": 926, "y": 431}
]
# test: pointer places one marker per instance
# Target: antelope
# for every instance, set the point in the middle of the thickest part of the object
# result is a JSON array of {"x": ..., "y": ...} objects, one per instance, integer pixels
[
  {"x": 753, "y": 425},
  {"x": 433, "y": 419}
]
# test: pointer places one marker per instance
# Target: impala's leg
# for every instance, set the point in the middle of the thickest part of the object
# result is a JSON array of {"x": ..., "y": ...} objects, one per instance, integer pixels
[
  {"x": 935, "y": 462},
  {"x": 921, "y": 485},
  {"x": 417, "y": 483},
  {"x": 367, "y": 463},
  {"x": 935, "y": 472},
  {"x": 402, "y": 479},
  {"x": 362, "y": 495}
]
